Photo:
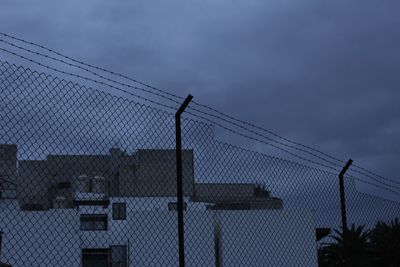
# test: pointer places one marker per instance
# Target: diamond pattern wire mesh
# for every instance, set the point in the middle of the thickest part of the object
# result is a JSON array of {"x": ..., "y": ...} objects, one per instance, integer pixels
[{"x": 88, "y": 178}]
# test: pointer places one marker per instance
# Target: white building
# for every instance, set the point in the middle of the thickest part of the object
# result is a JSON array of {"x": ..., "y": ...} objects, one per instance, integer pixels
[
  {"x": 85, "y": 223},
  {"x": 143, "y": 232},
  {"x": 40, "y": 238}
]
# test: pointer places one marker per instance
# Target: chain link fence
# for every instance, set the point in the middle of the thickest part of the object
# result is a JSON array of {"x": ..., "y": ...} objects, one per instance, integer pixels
[{"x": 88, "y": 178}]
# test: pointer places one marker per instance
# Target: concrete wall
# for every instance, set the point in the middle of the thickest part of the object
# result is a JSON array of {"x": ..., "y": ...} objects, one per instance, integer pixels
[
  {"x": 38, "y": 239},
  {"x": 255, "y": 204},
  {"x": 268, "y": 238},
  {"x": 68, "y": 167},
  {"x": 223, "y": 192},
  {"x": 151, "y": 238},
  {"x": 8, "y": 164},
  {"x": 150, "y": 232},
  {"x": 33, "y": 182},
  {"x": 8, "y": 160},
  {"x": 37, "y": 178},
  {"x": 155, "y": 243},
  {"x": 238, "y": 196},
  {"x": 248, "y": 238},
  {"x": 148, "y": 173},
  {"x": 155, "y": 174}
]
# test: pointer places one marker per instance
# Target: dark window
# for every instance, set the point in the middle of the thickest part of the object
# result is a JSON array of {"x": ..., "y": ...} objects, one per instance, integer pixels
[
  {"x": 1, "y": 237},
  {"x": 118, "y": 256},
  {"x": 119, "y": 211},
  {"x": 95, "y": 257},
  {"x": 64, "y": 185},
  {"x": 217, "y": 245},
  {"x": 94, "y": 222},
  {"x": 33, "y": 207},
  {"x": 92, "y": 202},
  {"x": 174, "y": 206}
]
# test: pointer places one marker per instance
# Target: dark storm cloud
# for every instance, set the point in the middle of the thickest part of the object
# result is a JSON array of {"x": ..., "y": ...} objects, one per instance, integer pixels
[{"x": 324, "y": 74}]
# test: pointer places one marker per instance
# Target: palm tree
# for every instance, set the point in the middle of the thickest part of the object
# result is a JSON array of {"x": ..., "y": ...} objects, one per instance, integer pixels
[
  {"x": 349, "y": 249},
  {"x": 385, "y": 241}
]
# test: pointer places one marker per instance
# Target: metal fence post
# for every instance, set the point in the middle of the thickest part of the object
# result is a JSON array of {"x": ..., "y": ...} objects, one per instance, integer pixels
[
  {"x": 179, "y": 186},
  {"x": 342, "y": 195}
]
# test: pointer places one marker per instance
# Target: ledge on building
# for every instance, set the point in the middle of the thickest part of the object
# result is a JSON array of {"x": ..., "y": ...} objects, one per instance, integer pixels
[{"x": 100, "y": 202}]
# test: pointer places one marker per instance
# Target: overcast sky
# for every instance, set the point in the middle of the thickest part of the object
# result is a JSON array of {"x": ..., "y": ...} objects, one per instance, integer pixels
[{"x": 323, "y": 73}]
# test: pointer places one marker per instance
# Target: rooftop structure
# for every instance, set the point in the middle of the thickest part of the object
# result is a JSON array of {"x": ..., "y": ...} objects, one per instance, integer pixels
[
  {"x": 65, "y": 181},
  {"x": 124, "y": 204},
  {"x": 145, "y": 173}
]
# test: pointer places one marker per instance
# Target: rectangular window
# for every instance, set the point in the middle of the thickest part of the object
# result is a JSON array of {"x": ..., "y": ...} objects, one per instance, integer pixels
[
  {"x": 1, "y": 239},
  {"x": 174, "y": 206},
  {"x": 64, "y": 185},
  {"x": 118, "y": 256},
  {"x": 95, "y": 257},
  {"x": 119, "y": 211},
  {"x": 94, "y": 222}
]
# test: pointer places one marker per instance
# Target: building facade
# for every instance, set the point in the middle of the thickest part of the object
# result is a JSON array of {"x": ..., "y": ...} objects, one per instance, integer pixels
[{"x": 120, "y": 210}]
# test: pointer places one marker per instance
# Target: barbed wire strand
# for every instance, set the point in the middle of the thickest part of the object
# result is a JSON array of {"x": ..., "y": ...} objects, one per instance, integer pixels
[
  {"x": 87, "y": 79},
  {"x": 176, "y": 102},
  {"x": 170, "y": 99},
  {"x": 194, "y": 102},
  {"x": 89, "y": 71},
  {"x": 154, "y": 102},
  {"x": 373, "y": 184},
  {"x": 167, "y": 93},
  {"x": 90, "y": 65},
  {"x": 286, "y": 151}
]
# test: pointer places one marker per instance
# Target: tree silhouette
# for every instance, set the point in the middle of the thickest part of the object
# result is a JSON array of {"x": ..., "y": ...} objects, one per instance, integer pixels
[
  {"x": 350, "y": 248},
  {"x": 385, "y": 244}
]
